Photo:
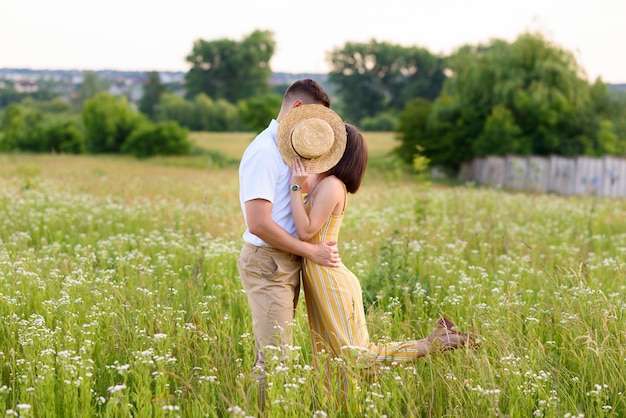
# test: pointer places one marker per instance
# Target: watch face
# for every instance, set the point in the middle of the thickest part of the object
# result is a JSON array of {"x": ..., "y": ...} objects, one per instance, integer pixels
[{"x": 295, "y": 187}]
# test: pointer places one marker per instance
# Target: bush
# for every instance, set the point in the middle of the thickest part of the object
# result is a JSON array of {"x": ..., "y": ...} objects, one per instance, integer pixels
[
  {"x": 162, "y": 138},
  {"x": 383, "y": 122},
  {"x": 14, "y": 125},
  {"x": 63, "y": 135},
  {"x": 108, "y": 121},
  {"x": 175, "y": 108},
  {"x": 256, "y": 112},
  {"x": 413, "y": 130}
]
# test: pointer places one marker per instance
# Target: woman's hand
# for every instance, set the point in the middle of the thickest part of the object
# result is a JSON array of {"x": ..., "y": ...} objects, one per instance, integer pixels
[{"x": 299, "y": 171}]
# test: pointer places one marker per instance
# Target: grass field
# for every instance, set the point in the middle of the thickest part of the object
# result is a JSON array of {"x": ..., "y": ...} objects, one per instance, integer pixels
[{"x": 119, "y": 293}]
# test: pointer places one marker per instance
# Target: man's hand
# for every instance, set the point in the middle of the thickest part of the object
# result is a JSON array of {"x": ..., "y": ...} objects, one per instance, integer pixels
[{"x": 326, "y": 254}]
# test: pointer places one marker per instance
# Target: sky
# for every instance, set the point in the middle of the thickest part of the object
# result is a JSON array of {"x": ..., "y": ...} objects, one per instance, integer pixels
[{"x": 146, "y": 35}]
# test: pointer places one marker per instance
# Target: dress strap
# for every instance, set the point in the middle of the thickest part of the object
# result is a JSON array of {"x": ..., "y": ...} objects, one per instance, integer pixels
[{"x": 345, "y": 198}]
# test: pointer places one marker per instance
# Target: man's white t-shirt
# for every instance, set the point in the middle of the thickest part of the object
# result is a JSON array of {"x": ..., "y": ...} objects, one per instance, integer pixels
[{"x": 264, "y": 175}]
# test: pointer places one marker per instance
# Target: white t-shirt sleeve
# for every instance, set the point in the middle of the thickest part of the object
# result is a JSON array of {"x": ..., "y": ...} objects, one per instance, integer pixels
[{"x": 261, "y": 175}]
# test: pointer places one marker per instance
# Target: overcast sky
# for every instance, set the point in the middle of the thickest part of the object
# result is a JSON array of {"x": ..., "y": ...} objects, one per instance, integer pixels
[{"x": 149, "y": 35}]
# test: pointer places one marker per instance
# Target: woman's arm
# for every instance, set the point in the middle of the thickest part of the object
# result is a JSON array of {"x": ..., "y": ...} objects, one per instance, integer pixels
[{"x": 328, "y": 195}]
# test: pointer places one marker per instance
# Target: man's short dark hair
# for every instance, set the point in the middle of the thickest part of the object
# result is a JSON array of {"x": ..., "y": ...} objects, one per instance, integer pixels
[{"x": 309, "y": 91}]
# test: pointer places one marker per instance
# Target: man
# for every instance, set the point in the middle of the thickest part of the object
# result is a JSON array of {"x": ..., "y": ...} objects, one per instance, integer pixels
[{"x": 270, "y": 261}]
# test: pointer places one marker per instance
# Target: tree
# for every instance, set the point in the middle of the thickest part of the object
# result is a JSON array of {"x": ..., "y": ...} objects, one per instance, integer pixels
[
  {"x": 376, "y": 77},
  {"x": 609, "y": 110},
  {"x": 57, "y": 105},
  {"x": 608, "y": 141},
  {"x": 176, "y": 108},
  {"x": 152, "y": 90},
  {"x": 91, "y": 85},
  {"x": 500, "y": 135},
  {"x": 414, "y": 120},
  {"x": 257, "y": 111},
  {"x": 227, "y": 117},
  {"x": 13, "y": 125},
  {"x": 618, "y": 118},
  {"x": 527, "y": 97},
  {"x": 216, "y": 116},
  {"x": 10, "y": 95},
  {"x": 204, "y": 118},
  {"x": 231, "y": 70}
]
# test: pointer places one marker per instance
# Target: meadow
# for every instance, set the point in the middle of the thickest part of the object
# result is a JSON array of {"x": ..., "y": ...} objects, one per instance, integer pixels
[{"x": 119, "y": 293}]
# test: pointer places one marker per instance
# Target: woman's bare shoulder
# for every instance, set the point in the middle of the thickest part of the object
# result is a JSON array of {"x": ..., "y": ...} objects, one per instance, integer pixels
[
  {"x": 331, "y": 188},
  {"x": 334, "y": 181}
]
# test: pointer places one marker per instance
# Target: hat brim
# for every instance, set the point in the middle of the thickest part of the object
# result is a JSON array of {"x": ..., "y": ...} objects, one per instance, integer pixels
[{"x": 297, "y": 114}]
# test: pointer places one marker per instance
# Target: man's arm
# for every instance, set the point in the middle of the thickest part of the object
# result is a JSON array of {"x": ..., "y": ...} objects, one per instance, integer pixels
[{"x": 260, "y": 223}]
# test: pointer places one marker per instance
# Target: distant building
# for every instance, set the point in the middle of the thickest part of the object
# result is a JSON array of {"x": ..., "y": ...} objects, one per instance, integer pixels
[{"x": 26, "y": 86}]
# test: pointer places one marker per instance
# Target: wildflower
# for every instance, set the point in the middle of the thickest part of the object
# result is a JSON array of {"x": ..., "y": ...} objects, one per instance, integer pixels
[
  {"x": 116, "y": 388},
  {"x": 122, "y": 368},
  {"x": 208, "y": 379},
  {"x": 171, "y": 408},
  {"x": 236, "y": 411}
]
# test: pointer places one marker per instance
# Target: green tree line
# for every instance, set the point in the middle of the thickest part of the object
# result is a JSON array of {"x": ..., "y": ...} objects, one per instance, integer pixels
[
  {"x": 524, "y": 97},
  {"x": 106, "y": 124},
  {"x": 528, "y": 97}
]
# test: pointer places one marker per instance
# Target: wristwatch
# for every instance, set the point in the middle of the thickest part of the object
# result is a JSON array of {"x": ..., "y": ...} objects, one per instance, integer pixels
[{"x": 295, "y": 187}]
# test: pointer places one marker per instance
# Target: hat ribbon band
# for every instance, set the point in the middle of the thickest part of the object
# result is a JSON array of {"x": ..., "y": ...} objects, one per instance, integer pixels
[{"x": 294, "y": 148}]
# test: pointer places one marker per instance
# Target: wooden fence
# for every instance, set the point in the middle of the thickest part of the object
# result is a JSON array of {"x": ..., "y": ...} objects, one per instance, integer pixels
[{"x": 604, "y": 176}]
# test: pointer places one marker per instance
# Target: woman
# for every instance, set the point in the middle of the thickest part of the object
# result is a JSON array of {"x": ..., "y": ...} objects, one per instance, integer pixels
[{"x": 333, "y": 295}]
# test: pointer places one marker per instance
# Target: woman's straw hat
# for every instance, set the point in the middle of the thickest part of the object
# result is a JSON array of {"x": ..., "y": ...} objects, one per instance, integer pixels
[{"x": 312, "y": 132}]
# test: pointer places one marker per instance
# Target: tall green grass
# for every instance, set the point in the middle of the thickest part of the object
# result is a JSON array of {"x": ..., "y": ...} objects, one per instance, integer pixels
[{"x": 119, "y": 296}]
